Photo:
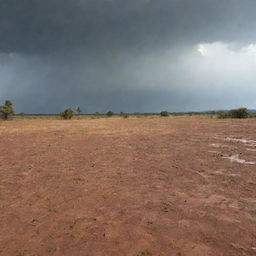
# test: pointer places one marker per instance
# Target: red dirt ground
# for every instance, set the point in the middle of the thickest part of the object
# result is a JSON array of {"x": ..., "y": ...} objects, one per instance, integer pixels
[{"x": 127, "y": 187}]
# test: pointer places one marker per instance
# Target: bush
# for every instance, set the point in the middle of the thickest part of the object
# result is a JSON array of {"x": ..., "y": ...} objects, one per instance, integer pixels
[
  {"x": 7, "y": 110},
  {"x": 67, "y": 114},
  {"x": 239, "y": 113},
  {"x": 124, "y": 115},
  {"x": 110, "y": 113},
  {"x": 164, "y": 113},
  {"x": 222, "y": 114}
]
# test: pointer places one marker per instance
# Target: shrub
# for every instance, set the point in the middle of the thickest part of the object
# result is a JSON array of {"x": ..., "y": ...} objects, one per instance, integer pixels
[
  {"x": 110, "y": 113},
  {"x": 164, "y": 113},
  {"x": 124, "y": 115},
  {"x": 239, "y": 113},
  {"x": 7, "y": 110},
  {"x": 221, "y": 114},
  {"x": 67, "y": 114}
]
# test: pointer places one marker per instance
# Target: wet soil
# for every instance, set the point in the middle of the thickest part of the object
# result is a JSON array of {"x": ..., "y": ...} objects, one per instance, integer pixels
[{"x": 127, "y": 187}]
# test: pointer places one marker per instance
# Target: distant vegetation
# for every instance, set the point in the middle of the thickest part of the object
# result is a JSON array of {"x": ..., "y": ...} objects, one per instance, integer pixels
[
  {"x": 67, "y": 114},
  {"x": 239, "y": 113},
  {"x": 124, "y": 115},
  {"x": 110, "y": 113},
  {"x": 234, "y": 113},
  {"x": 164, "y": 113},
  {"x": 7, "y": 110},
  {"x": 79, "y": 111},
  {"x": 221, "y": 114}
]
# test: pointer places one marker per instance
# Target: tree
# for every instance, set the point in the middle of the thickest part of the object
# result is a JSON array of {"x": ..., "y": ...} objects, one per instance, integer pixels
[
  {"x": 7, "y": 110},
  {"x": 110, "y": 113},
  {"x": 67, "y": 114},
  {"x": 79, "y": 111},
  {"x": 164, "y": 113},
  {"x": 239, "y": 113}
]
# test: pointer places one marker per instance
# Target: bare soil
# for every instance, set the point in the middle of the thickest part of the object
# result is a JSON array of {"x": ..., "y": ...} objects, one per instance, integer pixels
[{"x": 128, "y": 187}]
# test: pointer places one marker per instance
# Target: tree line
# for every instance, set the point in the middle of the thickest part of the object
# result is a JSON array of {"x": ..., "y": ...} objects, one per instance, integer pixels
[{"x": 7, "y": 110}]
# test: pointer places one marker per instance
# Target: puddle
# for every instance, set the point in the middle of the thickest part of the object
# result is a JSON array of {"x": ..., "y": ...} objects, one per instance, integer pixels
[
  {"x": 250, "y": 143},
  {"x": 216, "y": 145},
  {"x": 213, "y": 151},
  {"x": 236, "y": 159}
]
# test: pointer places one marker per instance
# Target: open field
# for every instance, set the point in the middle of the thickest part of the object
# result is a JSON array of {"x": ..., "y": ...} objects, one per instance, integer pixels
[{"x": 180, "y": 186}]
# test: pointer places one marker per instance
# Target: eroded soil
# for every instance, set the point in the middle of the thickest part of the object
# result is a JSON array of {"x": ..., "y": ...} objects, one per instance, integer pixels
[{"x": 128, "y": 187}]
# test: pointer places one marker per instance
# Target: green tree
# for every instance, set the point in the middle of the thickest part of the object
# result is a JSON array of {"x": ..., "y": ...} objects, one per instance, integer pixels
[
  {"x": 110, "y": 113},
  {"x": 239, "y": 113},
  {"x": 67, "y": 114},
  {"x": 164, "y": 113},
  {"x": 7, "y": 110},
  {"x": 79, "y": 111}
]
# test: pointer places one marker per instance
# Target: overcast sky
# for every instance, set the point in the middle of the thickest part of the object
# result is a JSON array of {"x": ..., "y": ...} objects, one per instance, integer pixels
[{"x": 128, "y": 55}]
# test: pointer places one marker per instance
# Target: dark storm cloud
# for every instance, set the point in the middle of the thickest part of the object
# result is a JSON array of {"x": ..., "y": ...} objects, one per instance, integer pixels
[
  {"x": 123, "y": 55},
  {"x": 36, "y": 26}
]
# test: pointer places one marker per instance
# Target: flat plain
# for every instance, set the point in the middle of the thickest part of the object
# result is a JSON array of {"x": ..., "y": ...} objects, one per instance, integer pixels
[{"x": 181, "y": 186}]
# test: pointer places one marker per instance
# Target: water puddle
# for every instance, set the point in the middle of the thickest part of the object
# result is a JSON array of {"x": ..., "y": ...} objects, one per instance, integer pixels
[
  {"x": 217, "y": 145},
  {"x": 213, "y": 151},
  {"x": 250, "y": 143},
  {"x": 236, "y": 159}
]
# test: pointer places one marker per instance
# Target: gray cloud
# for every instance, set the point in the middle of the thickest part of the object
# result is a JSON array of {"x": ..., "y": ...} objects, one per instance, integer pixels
[{"x": 136, "y": 55}]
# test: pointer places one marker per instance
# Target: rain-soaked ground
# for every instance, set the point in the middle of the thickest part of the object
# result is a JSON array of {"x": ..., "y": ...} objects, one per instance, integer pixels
[{"x": 139, "y": 186}]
